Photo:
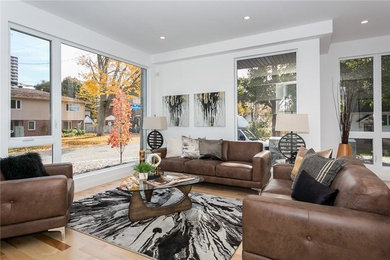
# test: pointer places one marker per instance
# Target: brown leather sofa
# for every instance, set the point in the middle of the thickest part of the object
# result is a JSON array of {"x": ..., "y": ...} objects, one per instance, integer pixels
[
  {"x": 356, "y": 227},
  {"x": 37, "y": 204},
  {"x": 244, "y": 164}
]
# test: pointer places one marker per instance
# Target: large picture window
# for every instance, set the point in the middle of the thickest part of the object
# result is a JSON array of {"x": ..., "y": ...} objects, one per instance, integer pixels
[
  {"x": 266, "y": 86},
  {"x": 370, "y": 128},
  {"x": 90, "y": 82},
  {"x": 92, "y": 100}
]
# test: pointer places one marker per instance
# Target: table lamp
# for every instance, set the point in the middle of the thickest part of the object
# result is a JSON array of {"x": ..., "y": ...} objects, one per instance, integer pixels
[
  {"x": 155, "y": 139},
  {"x": 290, "y": 143}
]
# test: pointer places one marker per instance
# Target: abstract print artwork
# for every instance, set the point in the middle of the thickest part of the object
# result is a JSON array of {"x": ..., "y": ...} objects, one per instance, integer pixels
[
  {"x": 209, "y": 109},
  {"x": 176, "y": 109}
]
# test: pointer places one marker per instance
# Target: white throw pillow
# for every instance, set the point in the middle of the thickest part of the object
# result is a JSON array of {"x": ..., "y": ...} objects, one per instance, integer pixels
[
  {"x": 174, "y": 146},
  {"x": 190, "y": 148}
]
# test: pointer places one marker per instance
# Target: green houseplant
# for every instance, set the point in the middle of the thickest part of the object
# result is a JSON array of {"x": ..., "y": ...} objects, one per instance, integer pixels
[{"x": 143, "y": 168}]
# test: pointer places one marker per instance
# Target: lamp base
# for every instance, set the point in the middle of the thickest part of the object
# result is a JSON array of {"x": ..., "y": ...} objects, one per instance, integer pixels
[
  {"x": 155, "y": 139},
  {"x": 289, "y": 145}
]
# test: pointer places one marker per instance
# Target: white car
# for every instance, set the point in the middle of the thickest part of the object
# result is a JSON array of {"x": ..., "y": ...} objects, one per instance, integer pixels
[{"x": 244, "y": 134}]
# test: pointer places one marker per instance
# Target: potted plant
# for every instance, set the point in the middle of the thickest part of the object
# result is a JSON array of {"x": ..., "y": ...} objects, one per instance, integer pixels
[
  {"x": 143, "y": 169},
  {"x": 344, "y": 107}
]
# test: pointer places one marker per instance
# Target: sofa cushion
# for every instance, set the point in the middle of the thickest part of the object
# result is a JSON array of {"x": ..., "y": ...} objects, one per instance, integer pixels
[
  {"x": 307, "y": 189},
  {"x": 235, "y": 170},
  {"x": 174, "y": 146},
  {"x": 173, "y": 164},
  {"x": 301, "y": 153},
  {"x": 210, "y": 148},
  {"x": 240, "y": 151},
  {"x": 360, "y": 189},
  {"x": 322, "y": 169},
  {"x": 190, "y": 148},
  {"x": 201, "y": 167},
  {"x": 23, "y": 166},
  {"x": 278, "y": 186}
]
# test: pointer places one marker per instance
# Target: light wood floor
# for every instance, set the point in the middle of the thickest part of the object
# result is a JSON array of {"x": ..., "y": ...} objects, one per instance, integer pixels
[{"x": 48, "y": 245}]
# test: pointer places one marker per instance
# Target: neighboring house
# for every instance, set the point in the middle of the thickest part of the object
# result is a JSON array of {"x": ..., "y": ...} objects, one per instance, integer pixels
[{"x": 30, "y": 112}]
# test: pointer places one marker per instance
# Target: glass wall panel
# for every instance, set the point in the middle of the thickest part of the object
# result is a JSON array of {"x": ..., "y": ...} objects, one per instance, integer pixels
[
  {"x": 101, "y": 108},
  {"x": 386, "y": 93},
  {"x": 357, "y": 75},
  {"x": 386, "y": 151},
  {"x": 45, "y": 151},
  {"x": 266, "y": 86},
  {"x": 362, "y": 149},
  {"x": 30, "y": 85}
]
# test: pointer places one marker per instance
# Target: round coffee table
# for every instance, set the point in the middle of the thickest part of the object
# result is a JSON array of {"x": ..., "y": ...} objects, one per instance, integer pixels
[{"x": 138, "y": 210}]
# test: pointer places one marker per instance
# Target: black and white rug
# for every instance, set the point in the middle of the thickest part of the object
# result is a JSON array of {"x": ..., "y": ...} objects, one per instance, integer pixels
[{"x": 210, "y": 230}]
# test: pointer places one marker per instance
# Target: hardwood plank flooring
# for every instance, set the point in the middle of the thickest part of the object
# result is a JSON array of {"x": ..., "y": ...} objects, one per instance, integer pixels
[{"x": 48, "y": 245}]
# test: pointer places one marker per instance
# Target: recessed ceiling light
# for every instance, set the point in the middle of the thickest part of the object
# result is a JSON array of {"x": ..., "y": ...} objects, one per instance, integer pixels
[
  {"x": 247, "y": 17},
  {"x": 162, "y": 37},
  {"x": 364, "y": 22}
]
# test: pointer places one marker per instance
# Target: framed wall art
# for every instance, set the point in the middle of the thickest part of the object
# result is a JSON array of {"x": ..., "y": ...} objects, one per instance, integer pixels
[
  {"x": 176, "y": 109},
  {"x": 209, "y": 109}
]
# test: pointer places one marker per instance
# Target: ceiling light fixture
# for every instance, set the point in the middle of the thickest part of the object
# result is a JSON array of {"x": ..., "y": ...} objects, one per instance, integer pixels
[
  {"x": 162, "y": 37},
  {"x": 364, "y": 22},
  {"x": 247, "y": 17}
]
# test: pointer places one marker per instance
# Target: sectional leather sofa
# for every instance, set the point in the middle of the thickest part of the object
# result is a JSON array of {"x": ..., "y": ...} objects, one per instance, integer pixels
[
  {"x": 356, "y": 227},
  {"x": 243, "y": 164}
]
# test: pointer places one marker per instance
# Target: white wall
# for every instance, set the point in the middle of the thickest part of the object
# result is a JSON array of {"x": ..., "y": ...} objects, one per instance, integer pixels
[
  {"x": 217, "y": 73},
  {"x": 330, "y": 76}
]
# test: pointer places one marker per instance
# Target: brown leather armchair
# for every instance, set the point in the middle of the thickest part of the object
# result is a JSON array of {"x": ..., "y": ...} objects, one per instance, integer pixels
[
  {"x": 37, "y": 204},
  {"x": 357, "y": 227}
]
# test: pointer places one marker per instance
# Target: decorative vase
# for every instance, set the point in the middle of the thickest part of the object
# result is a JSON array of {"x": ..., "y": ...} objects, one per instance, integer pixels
[
  {"x": 344, "y": 150},
  {"x": 143, "y": 176}
]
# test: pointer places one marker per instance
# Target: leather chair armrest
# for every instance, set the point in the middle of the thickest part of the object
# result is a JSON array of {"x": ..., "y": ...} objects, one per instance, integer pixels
[
  {"x": 34, "y": 198},
  {"x": 287, "y": 229},
  {"x": 162, "y": 150},
  {"x": 282, "y": 171},
  {"x": 261, "y": 163},
  {"x": 60, "y": 169}
]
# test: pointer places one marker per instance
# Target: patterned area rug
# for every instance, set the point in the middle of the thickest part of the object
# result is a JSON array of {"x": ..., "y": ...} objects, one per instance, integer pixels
[{"x": 210, "y": 230}]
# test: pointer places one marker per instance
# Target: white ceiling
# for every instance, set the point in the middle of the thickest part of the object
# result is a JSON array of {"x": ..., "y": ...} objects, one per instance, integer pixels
[{"x": 189, "y": 23}]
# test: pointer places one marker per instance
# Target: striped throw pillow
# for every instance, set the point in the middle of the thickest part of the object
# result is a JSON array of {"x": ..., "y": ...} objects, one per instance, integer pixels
[{"x": 323, "y": 170}]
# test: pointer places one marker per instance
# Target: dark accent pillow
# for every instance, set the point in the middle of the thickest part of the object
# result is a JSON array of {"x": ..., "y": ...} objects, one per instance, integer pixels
[
  {"x": 323, "y": 170},
  {"x": 210, "y": 149},
  {"x": 23, "y": 166},
  {"x": 307, "y": 189}
]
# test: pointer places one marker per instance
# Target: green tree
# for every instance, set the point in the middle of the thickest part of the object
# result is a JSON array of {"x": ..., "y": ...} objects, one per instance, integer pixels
[
  {"x": 386, "y": 83},
  {"x": 258, "y": 93},
  {"x": 104, "y": 77},
  {"x": 43, "y": 85},
  {"x": 70, "y": 87}
]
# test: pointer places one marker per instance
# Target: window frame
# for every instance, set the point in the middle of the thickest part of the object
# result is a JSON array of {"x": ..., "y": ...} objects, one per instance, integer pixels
[
  {"x": 377, "y": 134},
  {"x": 69, "y": 105},
  {"x": 17, "y": 101},
  {"x": 28, "y": 125}
]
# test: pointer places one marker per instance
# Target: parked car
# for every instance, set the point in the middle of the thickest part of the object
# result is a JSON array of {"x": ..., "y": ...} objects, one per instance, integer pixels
[{"x": 244, "y": 134}]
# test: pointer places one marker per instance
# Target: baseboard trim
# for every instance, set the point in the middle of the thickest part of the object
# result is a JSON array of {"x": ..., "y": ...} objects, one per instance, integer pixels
[{"x": 95, "y": 178}]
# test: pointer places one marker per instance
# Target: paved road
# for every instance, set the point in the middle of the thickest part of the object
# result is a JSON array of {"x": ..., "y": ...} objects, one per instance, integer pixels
[{"x": 96, "y": 157}]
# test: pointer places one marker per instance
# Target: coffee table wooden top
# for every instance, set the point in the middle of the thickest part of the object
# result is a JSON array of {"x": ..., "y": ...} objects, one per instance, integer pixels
[{"x": 166, "y": 180}]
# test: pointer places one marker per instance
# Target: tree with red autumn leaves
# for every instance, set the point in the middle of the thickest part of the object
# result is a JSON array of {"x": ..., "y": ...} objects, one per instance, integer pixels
[{"x": 120, "y": 133}]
